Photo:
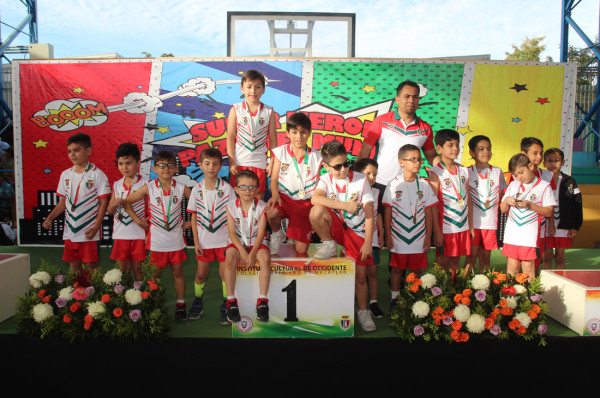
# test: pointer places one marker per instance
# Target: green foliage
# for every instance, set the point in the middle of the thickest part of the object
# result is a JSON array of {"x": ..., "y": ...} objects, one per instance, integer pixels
[{"x": 530, "y": 50}]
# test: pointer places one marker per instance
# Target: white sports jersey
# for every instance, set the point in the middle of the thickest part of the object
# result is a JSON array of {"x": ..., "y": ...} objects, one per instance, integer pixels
[
  {"x": 211, "y": 213},
  {"x": 246, "y": 224},
  {"x": 355, "y": 185},
  {"x": 453, "y": 189},
  {"x": 408, "y": 201},
  {"x": 523, "y": 225},
  {"x": 252, "y": 131},
  {"x": 290, "y": 182},
  {"x": 166, "y": 234},
  {"x": 82, "y": 192},
  {"x": 124, "y": 227},
  {"x": 376, "y": 194},
  {"x": 485, "y": 189},
  {"x": 559, "y": 233}
]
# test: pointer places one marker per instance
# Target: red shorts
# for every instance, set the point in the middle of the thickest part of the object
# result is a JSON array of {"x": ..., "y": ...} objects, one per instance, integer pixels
[
  {"x": 456, "y": 245},
  {"x": 348, "y": 239},
  {"x": 410, "y": 261},
  {"x": 262, "y": 177},
  {"x": 125, "y": 250},
  {"x": 521, "y": 253},
  {"x": 297, "y": 211},
  {"x": 563, "y": 242},
  {"x": 87, "y": 252},
  {"x": 162, "y": 259},
  {"x": 485, "y": 238},
  {"x": 210, "y": 255},
  {"x": 249, "y": 248}
]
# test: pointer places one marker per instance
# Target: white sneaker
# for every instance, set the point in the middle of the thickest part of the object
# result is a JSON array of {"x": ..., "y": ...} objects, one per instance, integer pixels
[
  {"x": 326, "y": 250},
  {"x": 275, "y": 242},
  {"x": 365, "y": 321}
]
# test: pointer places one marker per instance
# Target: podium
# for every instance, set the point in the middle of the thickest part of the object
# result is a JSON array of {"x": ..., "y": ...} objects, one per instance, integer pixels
[
  {"x": 15, "y": 271},
  {"x": 308, "y": 298},
  {"x": 573, "y": 298}
]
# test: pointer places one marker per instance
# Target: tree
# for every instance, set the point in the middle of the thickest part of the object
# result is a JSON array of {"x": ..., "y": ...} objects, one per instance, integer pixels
[
  {"x": 530, "y": 50},
  {"x": 587, "y": 64}
]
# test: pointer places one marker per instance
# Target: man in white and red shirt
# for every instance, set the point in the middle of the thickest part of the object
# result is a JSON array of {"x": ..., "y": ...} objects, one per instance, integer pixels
[{"x": 392, "y": 130}]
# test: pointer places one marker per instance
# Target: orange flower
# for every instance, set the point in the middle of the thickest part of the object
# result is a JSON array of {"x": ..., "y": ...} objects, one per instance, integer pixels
[
  {"x": 456, "y": 325},
  {"x": 536, "y": 308},
  {"x": 414, "y": 288},
  {"x": 466, "y": 301},
  {"x": 105, "y": 298},
  {"x": 497, "y": 311},
  {"x": 464, "y": 337},
  {"x": 521, "y": 277},
  {"x": 67, "y": 318},
  {"x": 46, "y": 299},
  {"x": 117, "y": 312},
  {"x": 503, "y": 303},
  {"x": 493, "y": 315},
  {"x": 418, "y": 282},
  {"x": 75, "y": 306},
  {"x": 88, "y": 322},
  {"x": 521, "y": 330},
  {"x": 439, "y": 310},
  {"x": 455, "y": 335},
  {"x": 41, "y": 293},
  {"x": 532, "y": 314},
  {"x": 496, "y": 281},
  {"x": 501, "y": 277},
  {"x": 458, "y": 298},
  {"x": 489, "y": 322},
  {"x": 438, "y": 320},
  {"x": 411, "y": 277},
  {"x": 153, "y": 285},
  {"x": 467, "y": 292},
  {"x": 145, "y": 295},
  {"x": 514, "y": 324},
  {"x": 507, "y": 311}
]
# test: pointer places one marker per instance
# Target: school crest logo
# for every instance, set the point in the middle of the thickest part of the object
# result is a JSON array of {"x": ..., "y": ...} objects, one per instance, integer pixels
[
  {"x": 255, "y": 221},
  {"x": 345, "y": 322},
  {"x": 158, "y": 201},
  {"x": 447, "y": 182},
  {"x": 463, "y": 179},
  {"x": 245, "y": 120},
  {"x": 67, "y": 182},
  {"x": 420, "y": 194},
  {"x": 201, "y": 194},
  {"x": 491, "y": 183},
  {"x": 532, "y": 197},
  {"x": 476, "y": 183},
  {"x": 398, "y": 195},
  {"x": 261, "y": 120},
  {"x": 89, "y": 184},
  {"x": 333, "y": 196},
  {"x": 220, "y": 193},
  {"x": 353, "y": 196},
  {"x": 284, "y": 168},
  {"x": 175, "y": 199},
  {"x": 237, "y": 221}
]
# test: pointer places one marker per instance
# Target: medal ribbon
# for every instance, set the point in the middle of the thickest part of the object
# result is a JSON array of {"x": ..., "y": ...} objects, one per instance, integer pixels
[
  {"x": 301, "y": 182},
  {"x": 167, "y": 215},
  {"x": 74, "y": 201},
  {"x": 134, "y": 181},
  {"x": 416, "y": 201},
  {"x": 210, "y": 214},
  {"x": 246, "y": 239},
  {"x": 460, "y": 194}
]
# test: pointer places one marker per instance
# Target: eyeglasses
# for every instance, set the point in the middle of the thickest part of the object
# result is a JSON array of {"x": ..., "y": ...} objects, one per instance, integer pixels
[
  {"x": 244, "y": 188},
  {"x": 165, "y": 165},
  {"x": 414, "y": 160},
  {"x": 338, "y": 167}
]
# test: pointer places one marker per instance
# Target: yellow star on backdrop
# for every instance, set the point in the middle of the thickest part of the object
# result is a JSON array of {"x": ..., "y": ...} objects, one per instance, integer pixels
[
  {"x": 367, "y": 89},
  {"x": 78, "y": 90},
  {"x": 163, "y": 129},
  {"x": 40, "y": 143},
  {"x": 219, "y": 115}
]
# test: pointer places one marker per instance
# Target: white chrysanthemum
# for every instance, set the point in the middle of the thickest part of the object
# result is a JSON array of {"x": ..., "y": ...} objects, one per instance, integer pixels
[
  {"x": 428, "y": 281},
  {"x": 476, "y": 323},
  {"x": 66, "y": 293},
  {"x": 39, "y": 279},
  {"x": 511, "y": 302},
  {"x": 462, "y": 313},
  {"x": 520, "y": 289},
  {"x": 113, "y": 277},
  {"x": 133, "y": 296},
  {"x": 480, "y": 282},
  {"x": 97, "y": 308},
  {"x": 420, "y": 309},
  {"x": 41, "y": 312},
  {"x": 523, "y": 318}
]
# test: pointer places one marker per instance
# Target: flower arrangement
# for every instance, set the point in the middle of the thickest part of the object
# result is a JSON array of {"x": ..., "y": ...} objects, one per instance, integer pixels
[
  {"x": 462, "y": 306},
  {"x": 76, "y": 307}
]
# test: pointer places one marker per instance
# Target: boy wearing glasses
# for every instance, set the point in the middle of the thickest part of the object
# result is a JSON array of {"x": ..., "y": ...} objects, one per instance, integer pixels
[
  {"x": 343, "y": 212},
  {"x": 294, "y": 178},
  {"x": 165, "y": 240},
  {"x": 247, "y": 225},
  {"x": 450, "y": 182},
  {"x": 84, "y": 192},
  {"x": 408, "y": 218}
]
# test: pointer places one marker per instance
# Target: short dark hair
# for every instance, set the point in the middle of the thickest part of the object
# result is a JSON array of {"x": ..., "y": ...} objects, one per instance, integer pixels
[
  {"x": 405, "y": 83},
  {"x": 475, "y": 140},
  {"x": 363, "y": 163},
  {"x": 128, "y": 149},
  {"x": 298, "y": 119},
  {"x": 164, "y": 155},
  {"x": 252, "y": 74},
  {"x": 212, "y": 153},
  {"x": 550, "y": 151},
  {"x": 527, "y": 142},
  {"x": 518, "y": 160},
  {"x": 80, "y": 138},
  {"x": 331, "y": 150},
  {"x": 246, "y": 174},
  {"x": 407, "y": 148},
  {"x": 445, "y": 135}
]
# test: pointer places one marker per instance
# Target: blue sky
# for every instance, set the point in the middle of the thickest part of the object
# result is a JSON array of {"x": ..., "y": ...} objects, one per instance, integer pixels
[{"x": 196, "y": 28}]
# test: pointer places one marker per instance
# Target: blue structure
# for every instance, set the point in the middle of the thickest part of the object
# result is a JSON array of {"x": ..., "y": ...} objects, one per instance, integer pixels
[{"x": 28, "y": 27}]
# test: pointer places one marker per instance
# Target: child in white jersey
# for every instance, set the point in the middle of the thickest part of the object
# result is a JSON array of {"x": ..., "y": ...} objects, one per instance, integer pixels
[
  {"x": 409, "y": 203},
  {"x": 450, "y": 182},
  {"x": 343, "y": 212},
  {"x": 251, "y": 131},
  {"x": 294, "y": 177},
  {"x": 129, "y": 239},
  {"x": 486, "y": 187},
  {"x": 247, "y": 225},
  {"x": 369, "y": 168},
  {"x": 165, "y": 240},
  {"x": 527, "y": 200},
  {"x": 83, "y": 191},
  {"x": 208, "y": 205},
  {"x": 568, "y": 213}
]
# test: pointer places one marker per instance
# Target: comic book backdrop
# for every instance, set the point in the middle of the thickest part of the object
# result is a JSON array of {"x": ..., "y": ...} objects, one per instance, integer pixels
[{"x": 182, "y": 105}]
